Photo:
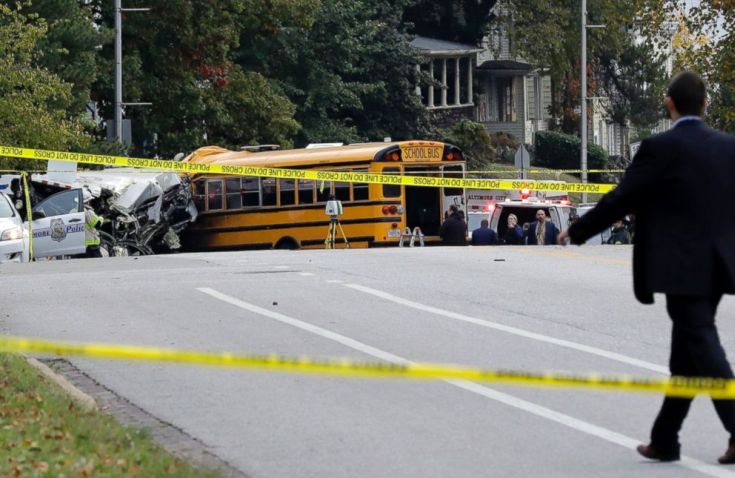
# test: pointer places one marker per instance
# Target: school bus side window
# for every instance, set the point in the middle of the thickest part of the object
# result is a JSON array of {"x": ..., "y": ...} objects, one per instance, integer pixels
[
  {"x": 323, "y": 191},
  {"x": 268, "y": 189},
  {"x": 342, "y": 191},
  {"x": 250, "y": 192},
  {"x": 360, "y": 191},
  {"x": 288, "y": 192},
  {"x": 214, "y": 194},
  {"x": 391, "y": 190},
  {"x": 200, "y": 194},
  {"x": 233, "y": 193},
  {"x": 306, "y": 191}
]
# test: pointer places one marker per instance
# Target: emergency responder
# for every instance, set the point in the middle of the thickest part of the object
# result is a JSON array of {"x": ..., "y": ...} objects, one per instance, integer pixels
[{"x": 91, "y": 237}]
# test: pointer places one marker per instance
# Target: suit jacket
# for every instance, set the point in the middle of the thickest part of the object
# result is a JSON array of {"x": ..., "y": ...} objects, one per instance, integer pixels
[
  {"x": 484, "y": 236},
  {"x": 454, "y": 231},
  {"x": 679, "y": 187},
  {"x": 549, "y": 235}
]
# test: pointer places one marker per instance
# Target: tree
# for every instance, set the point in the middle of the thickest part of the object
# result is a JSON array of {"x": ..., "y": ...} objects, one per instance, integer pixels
[
  {"x": 629, "y": 73},
  {"x": 474, "y": 141},
  {"x": 34, "y": 103},
  {"x": 180, "y": 57},
  {"x": 352, "y": 73},
  {"x": 561, "y": 151},
  {"x": 69, "y": 49},
  {"x": 463, "y": 21},
  {"x": 704, "y": 44}
]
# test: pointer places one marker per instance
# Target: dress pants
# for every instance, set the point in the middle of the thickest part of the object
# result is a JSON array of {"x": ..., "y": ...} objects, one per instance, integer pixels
[{"x": 695, "y": 352}]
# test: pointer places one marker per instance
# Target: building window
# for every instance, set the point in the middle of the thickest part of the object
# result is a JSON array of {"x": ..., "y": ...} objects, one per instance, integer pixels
[
  {"x": 452, "y": 82},
  {"x": 506, "y": 100},
  {"x": 464, "y": 78}
]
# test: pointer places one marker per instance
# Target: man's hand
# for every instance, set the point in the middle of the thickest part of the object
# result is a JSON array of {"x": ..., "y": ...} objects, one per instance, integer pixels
[{"x": 563, "y": 237}]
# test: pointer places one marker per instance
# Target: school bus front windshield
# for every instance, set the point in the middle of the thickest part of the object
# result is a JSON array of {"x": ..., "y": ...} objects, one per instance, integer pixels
[{"x": 263, "y": 213}]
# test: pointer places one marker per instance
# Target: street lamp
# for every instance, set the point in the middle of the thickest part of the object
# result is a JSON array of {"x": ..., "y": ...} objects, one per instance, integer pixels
[
  {"x": 118, "y": 68},
  {"x": 584, "y": 98}
]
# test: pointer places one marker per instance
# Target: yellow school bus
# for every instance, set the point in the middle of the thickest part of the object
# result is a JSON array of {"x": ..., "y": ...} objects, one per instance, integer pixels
[{"x": 264, "y": 213}]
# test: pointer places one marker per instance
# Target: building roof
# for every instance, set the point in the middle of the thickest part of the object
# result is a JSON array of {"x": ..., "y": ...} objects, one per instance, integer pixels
[
  {"x": 505, "y": 65},
  {"x": 434, "y": 46}
]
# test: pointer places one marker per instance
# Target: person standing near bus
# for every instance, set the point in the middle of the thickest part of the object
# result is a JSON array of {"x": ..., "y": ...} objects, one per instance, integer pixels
[
  {"x": 483, "y": 235},
  {"x": 513, "y": 233},
  {"x": 693, "y": 267},
  {"x": 542, "y": 232},
  {"x": 454, "y": 230}
]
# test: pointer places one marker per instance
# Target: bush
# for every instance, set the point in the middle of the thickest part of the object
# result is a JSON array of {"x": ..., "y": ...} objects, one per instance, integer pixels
[
  {"x": 474, "y": 141},
  {"x": 562, "y": 151}
]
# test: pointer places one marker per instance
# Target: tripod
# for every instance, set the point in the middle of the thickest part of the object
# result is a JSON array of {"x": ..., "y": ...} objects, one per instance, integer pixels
[{"x": 330, "y": 241}]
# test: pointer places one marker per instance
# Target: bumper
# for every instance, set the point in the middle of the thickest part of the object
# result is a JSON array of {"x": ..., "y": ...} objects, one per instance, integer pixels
[{"x": 13, "y": 251}]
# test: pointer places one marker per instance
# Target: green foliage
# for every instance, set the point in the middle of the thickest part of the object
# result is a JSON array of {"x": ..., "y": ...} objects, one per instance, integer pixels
[
  {"x": 463, "y": 21},
  {"x": 474, "y": 141},
  {"x": 352, "y": 73},
  {"x": 562, "y": 151},
  {"x": 505, "y": 145},
  {"x": 705, "y": 42},
  {"x": 548, "y": 34},
  {"x": 34, "y": 103},
  {"x": 43, "y": 433},
  {"x": 69, "y": 48},
  {"x": 179, "y": 57}
]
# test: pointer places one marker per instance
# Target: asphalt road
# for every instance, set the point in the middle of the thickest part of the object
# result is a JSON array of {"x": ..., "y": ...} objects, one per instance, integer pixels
[{"x": 525, "y": 308}]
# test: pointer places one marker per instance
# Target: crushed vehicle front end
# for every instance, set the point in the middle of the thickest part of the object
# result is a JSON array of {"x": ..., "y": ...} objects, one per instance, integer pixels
[{"x": 143, "y": 212}]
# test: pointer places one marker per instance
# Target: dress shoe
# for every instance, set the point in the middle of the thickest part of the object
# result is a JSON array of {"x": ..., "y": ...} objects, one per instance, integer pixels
[
  {"x": 729, "y": 457},
  {"x": 652, "y": 454}
]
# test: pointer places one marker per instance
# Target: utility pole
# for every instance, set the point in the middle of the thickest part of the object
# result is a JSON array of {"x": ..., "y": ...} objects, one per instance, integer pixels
[
  {"x": 584, "y": 98},
  {"x": 118, "y": 69}
]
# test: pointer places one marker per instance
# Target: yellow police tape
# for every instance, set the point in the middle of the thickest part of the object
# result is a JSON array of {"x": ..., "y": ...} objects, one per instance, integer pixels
[
  {"x": 674, "y": 386},
  {"x": 343, "y": 176}
]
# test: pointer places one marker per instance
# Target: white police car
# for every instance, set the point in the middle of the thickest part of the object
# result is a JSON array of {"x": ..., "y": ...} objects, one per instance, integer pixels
[{"x": 57, "y": 225}]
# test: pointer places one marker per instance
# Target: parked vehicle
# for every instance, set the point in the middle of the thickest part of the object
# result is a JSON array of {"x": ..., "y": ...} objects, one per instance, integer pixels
[{"x": 57, "y": 228}]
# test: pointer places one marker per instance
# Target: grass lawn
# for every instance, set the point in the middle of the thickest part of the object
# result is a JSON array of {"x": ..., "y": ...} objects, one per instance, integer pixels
[{"x": 44, "y": 434}]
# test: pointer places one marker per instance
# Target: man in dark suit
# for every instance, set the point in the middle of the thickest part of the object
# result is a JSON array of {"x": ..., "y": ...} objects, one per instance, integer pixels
[
  {"x": 541, "y": 232},
  {"x": 453, "y": 230},
  {"x": 483, "y": 235},
  {"x": 693, "y": 266}
]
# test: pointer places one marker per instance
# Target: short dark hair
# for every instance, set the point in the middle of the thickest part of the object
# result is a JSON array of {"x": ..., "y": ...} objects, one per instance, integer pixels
[
  {"x": 484, "y": 222},
  {"x": 688, "y": 92},
  {"x": 452, "y": 208}
]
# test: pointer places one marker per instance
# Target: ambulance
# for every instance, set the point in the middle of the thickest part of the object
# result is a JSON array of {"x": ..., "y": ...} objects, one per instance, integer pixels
[{"x": 496, "y": 206}]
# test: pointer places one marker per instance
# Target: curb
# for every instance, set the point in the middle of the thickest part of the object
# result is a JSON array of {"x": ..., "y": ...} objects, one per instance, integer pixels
[{"x": 85, "y": 401}]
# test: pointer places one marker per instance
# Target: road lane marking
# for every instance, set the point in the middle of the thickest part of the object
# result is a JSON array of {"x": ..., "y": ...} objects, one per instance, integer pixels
[
  {"x": 306, "y": 274},
  {"x": 504, "y": 398},
  {"x": 334, "y": 281},
  {"x": 512, "y": 330}
]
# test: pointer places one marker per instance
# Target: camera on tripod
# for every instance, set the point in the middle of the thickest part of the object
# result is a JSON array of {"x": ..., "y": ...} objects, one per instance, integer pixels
[{"x": 334, "y": 207}]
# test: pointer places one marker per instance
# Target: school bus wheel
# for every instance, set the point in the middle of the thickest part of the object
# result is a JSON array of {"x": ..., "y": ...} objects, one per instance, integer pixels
[{"x": 287, "y": 243}]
